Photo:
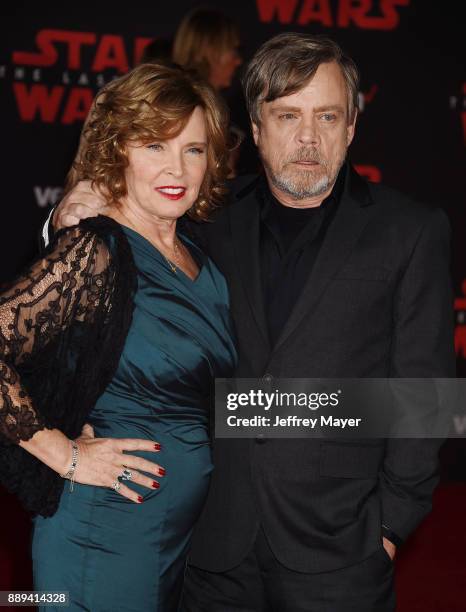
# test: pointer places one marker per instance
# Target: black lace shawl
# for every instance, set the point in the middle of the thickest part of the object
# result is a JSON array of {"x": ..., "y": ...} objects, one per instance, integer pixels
[{"x": 63, "y": 324}]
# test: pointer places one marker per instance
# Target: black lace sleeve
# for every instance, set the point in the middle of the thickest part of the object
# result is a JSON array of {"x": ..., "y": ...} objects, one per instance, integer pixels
[
  {"x": 70, "y": 284},
  {"x": 63, "y": 327}
]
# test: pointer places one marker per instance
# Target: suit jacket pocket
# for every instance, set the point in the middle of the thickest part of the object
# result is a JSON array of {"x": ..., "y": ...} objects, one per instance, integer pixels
[{"x": 351, "y": 460}]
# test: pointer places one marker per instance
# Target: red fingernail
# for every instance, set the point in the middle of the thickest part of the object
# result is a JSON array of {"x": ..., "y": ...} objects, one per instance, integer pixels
[
  {"x": 155, "y": 484},
  {"x": 140, "y": 499},
  {"x": 162, "y": 471},
  {"x": 157, "y": 446}
]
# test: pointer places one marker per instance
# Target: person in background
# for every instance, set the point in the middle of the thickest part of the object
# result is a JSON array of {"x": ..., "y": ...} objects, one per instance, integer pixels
[
  {"x": 117, "y": 334},
  {"x": 207, "y": 41}
]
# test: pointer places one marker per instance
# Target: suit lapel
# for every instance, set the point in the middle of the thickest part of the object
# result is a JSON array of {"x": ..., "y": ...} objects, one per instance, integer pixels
[
  {"x": 245, "y": 228},
  {"x": 344, "y": 231}
]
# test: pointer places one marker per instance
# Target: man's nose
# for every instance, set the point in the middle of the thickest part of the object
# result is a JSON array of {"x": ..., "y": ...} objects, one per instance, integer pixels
[{"x": 308, "y": 132}]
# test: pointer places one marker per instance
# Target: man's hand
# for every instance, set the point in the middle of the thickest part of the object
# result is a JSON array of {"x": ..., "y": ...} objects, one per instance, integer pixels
[
  {"x": 389, "y": 547},
  {"x": 87, "y": 431},
  {"x": 81, "y": 202}
]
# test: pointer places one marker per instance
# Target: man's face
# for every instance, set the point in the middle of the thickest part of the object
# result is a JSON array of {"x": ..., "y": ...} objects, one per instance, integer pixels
[{"x": 302, "y": 138}]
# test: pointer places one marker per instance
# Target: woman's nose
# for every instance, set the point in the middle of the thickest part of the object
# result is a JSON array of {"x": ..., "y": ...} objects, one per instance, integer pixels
[{"x": 175, "y": 165}]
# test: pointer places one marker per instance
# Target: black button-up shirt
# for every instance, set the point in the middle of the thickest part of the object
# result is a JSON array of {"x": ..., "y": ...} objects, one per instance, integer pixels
[{"x": 290, "y": 242}]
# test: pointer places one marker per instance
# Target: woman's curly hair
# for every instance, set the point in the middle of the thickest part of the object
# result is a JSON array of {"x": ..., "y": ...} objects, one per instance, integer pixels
[{"x": 150, "y": 103}]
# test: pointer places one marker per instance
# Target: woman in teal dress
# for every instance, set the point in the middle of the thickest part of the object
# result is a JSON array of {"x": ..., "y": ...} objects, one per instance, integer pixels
[{"x": 154, "y": 145}]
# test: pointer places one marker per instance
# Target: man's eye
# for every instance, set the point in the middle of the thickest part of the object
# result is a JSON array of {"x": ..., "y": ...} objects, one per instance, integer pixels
[
  {"x": 286, "y": 116},
  {"x": 328, "y": 117}
]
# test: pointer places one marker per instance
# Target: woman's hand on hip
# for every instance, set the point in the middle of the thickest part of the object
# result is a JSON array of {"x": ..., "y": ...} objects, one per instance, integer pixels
[{"x": 102, "y": 460}]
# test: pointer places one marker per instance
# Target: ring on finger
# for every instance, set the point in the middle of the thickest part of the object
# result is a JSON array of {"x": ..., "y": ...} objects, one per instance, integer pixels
[
  {"x": 116, "y": 485},
  {"x": 126, "y": 474}
]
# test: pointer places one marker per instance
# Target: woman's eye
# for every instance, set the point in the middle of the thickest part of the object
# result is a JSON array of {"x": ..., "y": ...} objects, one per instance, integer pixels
[
  {"x": 156, "y": 146},
  {"x": 196, "y": 150}
]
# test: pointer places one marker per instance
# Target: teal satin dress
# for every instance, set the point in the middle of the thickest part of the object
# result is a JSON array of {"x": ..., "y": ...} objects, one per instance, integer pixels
[{"x": 110, "y": 553}]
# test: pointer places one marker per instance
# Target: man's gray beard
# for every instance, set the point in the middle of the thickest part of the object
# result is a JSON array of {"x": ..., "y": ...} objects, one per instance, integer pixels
[
  {"x": 288, "y": 186},
  {"x": 295, "y": 188}
]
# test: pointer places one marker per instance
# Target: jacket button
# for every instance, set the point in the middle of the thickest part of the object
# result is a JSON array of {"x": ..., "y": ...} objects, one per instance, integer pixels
[{"x": 267, "y": 377}]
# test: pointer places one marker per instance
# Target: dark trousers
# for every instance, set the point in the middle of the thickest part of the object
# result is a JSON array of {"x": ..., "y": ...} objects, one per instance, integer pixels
[{"x": 262, "y": 584}]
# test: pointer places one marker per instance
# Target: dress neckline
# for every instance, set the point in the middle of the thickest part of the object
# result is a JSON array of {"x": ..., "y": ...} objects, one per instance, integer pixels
[{"x": 198, "y": 255}]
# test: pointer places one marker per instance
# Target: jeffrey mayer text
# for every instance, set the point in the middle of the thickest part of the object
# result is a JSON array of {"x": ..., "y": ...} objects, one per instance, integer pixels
[{"x": 292, "y": 421}]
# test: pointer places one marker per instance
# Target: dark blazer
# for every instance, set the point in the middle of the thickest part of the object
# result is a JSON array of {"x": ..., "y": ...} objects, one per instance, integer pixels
[{"x": 378, "y": 303}]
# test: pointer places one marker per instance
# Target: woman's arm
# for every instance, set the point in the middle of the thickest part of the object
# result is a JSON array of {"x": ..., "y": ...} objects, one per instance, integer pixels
[
  {"x": 66, "y": 286},
  {"x": 34, "y": 309}
]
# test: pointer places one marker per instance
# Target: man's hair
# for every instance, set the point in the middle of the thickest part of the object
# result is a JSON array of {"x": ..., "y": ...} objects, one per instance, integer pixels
[
  {"x": 150, "y": 103},
  {"x": 287, "y": 62}
]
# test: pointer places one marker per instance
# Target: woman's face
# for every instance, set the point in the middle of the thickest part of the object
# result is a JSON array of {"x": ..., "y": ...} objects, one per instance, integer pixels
[
  {"x": 223, "y": 68},
  {"x": 163, "y": 178}
]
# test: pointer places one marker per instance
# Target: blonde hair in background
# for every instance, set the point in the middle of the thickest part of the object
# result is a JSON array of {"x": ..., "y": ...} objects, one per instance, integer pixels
[
  {"x": 150, "y": 103},
  {"x": 202, "y": 36}
]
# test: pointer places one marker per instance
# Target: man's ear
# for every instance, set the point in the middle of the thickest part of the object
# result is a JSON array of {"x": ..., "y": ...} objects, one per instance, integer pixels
[
  {"x": 255, "y": 132},
  {"x": 351, "y": 128}
]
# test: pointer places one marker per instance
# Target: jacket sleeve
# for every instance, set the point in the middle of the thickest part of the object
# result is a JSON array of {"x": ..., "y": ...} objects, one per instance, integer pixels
[
  {"x": 66, "y": 285},
  {"x": 422, "y": 347}
]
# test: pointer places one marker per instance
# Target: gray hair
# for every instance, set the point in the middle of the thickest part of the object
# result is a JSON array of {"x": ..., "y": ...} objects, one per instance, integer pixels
[{"x": 287, "y": 62}]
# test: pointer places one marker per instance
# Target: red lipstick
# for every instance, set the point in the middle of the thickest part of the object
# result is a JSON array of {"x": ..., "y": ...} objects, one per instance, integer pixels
[{"x": 171, "y": 192}]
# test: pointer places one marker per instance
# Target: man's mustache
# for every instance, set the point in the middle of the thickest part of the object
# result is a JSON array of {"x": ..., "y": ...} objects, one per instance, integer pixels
[{"x": 306, "y": 156}]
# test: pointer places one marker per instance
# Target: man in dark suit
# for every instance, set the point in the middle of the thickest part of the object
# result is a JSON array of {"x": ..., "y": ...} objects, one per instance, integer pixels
[{"x": 332, "y": 277}]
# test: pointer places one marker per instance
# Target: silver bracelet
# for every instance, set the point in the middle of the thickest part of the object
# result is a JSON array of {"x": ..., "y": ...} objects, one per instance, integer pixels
[{"x": 74, "y": 462}]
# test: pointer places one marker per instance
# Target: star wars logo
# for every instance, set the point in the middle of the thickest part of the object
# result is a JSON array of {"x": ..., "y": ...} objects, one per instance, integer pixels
[
  {"x": 364, "y": 14},
  {"x": 78, "y": 63},
  {"x": 371, "y": 173}
]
